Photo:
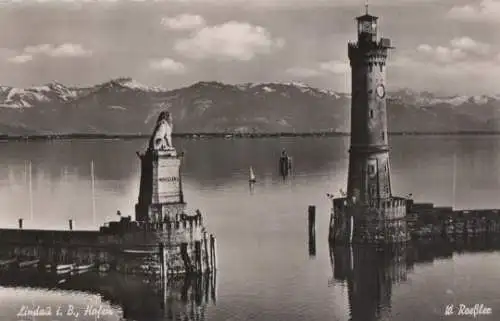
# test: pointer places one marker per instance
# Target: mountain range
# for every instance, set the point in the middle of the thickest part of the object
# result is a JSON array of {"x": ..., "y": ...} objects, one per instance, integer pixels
[{"x": 124, "y": 106}]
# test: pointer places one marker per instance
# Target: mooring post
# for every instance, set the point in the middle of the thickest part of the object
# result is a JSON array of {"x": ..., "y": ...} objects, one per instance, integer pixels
[
  {"x": 21, "y": 223},
  {"x": 197, "y": 248},
  {"x": 163, "y": 269},
  {"x": 283, "y": 166},
  {"x": 213, "y": 251},
  {"x": 70, "y": 224},
  {"x": 312, "y": 218},
  {"x": 312, "y": 230},
  {"x": 207, "y": 260},
  {"x": 185, "y": 257},
  {"x": 209, "y": 250}
]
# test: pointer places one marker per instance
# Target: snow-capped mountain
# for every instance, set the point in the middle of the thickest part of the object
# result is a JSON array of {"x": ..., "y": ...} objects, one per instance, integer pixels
[
  {"x": 124, "y": 106},
  {"x": 429, "y": 99},
  {"x": 11, "y": 97}
]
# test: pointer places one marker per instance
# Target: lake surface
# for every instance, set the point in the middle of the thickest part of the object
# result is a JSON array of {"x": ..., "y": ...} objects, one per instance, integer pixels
[{"x": 265, "y": 271}]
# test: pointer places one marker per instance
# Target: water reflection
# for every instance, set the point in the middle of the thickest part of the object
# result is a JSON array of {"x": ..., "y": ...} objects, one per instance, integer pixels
[
  {"x": 371, "y": 272},
  {"x": 136, "y": 297},
  {"x": 210, "y": 160}
]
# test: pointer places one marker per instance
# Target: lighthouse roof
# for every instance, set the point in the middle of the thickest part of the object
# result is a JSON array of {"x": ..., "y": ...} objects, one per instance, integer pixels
[{"x": 367, "y": 17}]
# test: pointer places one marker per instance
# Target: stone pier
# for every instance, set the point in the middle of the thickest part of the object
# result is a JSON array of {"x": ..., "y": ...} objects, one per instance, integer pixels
[{"x": 165, "y": 238}]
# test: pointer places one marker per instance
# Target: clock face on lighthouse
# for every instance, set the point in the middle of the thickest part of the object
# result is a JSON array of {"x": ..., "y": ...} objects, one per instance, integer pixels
[{"x": 381, "y": 91}]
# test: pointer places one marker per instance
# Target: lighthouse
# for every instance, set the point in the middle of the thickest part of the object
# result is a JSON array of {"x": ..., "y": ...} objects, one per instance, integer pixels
[
  {"x": 368, "y": 178},
  {"x": 369, "y": 213}
]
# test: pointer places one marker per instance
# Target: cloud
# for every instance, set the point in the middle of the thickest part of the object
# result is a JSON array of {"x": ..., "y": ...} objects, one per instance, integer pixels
[
  {"x": 168, "y": 65},
  {"x": 229, "y": 41},
  {"x": 20, "y": 59},
  {"x": 469, "y": 45},
  {"x": 440, "y": 53},
  {"x": 321, "y": 69},
  {"x": 335, "y": 66},
  {"x": 301, "y": 72},
  {"x": 231, "y": 3},
  {"x": 463, "y": 66},
  {"x": 294, "y": 3},
  {"x": 64, "y": 50},
  {"x": 458, "y": 49},
  {"x": 486, "y": 10},
  {"x": 472, "y": 77},
  {"x": 183, "y": 22}
]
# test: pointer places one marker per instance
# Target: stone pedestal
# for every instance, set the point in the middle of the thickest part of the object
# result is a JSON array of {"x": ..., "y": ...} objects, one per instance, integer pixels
[
  {"x": 166, "y": 181},
  {"x": 380, "y": 222},
  {"x": 160, "y": 194}
]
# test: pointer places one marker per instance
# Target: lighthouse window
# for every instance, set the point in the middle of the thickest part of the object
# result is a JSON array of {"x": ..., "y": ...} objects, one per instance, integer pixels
[
  {"x": 381, "y": 68},
  {"x": 371, "y": 113},
  {"x": 371, "y": 68},
  {"x": 383, "y": 135}
]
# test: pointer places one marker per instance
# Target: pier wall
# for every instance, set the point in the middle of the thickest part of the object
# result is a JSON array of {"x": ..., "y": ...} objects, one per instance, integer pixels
[
  {"x": 426, "y": 220},
  {"x": 178, "y": 247}
]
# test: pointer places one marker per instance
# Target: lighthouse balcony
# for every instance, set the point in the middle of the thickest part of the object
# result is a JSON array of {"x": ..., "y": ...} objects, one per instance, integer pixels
[{"x": 360, "y": 52}]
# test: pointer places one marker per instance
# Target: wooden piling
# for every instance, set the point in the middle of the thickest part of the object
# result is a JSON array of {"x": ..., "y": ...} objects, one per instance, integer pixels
[
  {"x": 207, "y": 263},
  {"x": 70, "y": 224},
  {"x": 185, "y": 257},
  {"x": 312, "y": 229},
  {"x": 210, "y": 257},
  {"x": 312, "y": 244},
  {"x": 163, "y": 269},
  {"x": 312, "y": 217},
  {"x": 213, "y": 252},
  {"x": 197, "y": 251},
  {"x": 283, "y": 166}
]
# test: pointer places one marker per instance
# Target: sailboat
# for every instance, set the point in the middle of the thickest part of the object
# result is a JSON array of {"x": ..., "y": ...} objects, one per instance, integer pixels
[{"x": 252, "y": 176}]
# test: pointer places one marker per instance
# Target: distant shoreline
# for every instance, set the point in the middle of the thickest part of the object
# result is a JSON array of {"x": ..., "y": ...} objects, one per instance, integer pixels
[{"x": 225, "y": 135}]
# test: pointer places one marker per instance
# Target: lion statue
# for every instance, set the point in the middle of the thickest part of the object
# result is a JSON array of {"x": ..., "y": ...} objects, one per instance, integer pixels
[{"x": 162, "y": 135}]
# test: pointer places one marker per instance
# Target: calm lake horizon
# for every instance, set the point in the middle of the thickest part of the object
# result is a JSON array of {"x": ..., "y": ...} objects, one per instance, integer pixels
[{"x": 265, "y": 271}]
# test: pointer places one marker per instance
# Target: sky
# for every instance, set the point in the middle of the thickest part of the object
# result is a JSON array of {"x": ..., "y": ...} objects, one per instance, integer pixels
[{"x": 442, "y": 46}]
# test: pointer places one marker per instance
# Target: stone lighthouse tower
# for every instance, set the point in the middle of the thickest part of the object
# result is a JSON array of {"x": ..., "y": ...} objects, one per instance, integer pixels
[
  {"x": 369, "y": 154},
  {"x": 369, "y": 212}
]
